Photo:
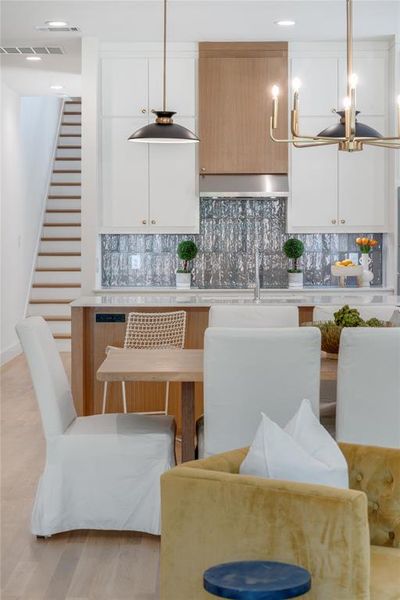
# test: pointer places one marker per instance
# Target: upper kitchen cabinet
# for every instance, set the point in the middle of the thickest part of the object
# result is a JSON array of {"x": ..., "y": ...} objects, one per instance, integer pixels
[
  {"x": 125, "y": 87},
  {"x": 235, "y": 104},
  {"x": 334, "y": 191},
  {"x": 147, "y": 188},
  {"x": 181, "y": 85}
]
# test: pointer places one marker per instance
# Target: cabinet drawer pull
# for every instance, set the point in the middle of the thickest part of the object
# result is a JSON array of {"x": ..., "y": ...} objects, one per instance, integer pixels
[
  {"x": 333, "y": 221},
  {"x": 343, "y": 221},
  {"x": 143, "y": 111},
  {"x": 144, "y": 222},
  {"x": 153, "y": 222}
]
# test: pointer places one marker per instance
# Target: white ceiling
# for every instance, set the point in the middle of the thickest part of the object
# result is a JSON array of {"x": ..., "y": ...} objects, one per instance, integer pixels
[{"x": 189, "y": 20}]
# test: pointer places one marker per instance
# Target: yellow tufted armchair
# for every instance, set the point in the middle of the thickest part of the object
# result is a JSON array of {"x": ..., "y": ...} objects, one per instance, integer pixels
[{"x": 348, "y": 539}]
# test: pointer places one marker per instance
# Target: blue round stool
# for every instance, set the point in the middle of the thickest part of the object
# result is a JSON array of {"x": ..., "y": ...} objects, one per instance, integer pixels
[{"x": 257, "y": 580}]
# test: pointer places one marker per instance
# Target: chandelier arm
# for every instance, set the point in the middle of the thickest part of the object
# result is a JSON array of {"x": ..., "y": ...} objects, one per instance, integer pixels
[
  {"x": 391, "y": 146},
  {"x": 312, "y": 145},
  {"x": 381, "y": 139}
]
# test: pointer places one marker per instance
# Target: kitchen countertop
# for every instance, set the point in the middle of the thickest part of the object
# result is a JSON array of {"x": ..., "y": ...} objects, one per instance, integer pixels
[{"x": 195, "y": 297}]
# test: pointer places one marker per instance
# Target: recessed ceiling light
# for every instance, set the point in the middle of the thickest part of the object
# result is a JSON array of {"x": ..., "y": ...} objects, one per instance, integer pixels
[
  {"x": 33, "y": 58},
  {"x": 56, "y": 87},
  {"x": 285, "y": 23},
  {"x": 57, "y": 23}
]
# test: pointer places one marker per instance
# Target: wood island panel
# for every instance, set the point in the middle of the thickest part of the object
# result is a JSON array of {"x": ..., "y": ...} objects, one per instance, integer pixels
[{"x": 89, "y": 341}]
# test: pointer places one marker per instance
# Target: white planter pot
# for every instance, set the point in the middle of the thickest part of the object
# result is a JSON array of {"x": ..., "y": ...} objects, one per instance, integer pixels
[
  {"x": 183, "y": 280},
  {"x": 367, "y": 275},
  {"x": 295, "y": 280}
]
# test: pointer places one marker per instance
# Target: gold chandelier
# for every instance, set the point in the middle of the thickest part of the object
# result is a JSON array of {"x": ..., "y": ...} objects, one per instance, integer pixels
[{"x": 348, "y": 134}]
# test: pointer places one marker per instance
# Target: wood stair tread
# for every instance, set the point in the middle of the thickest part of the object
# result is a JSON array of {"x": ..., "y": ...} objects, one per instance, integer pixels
[
  {"x": 59, "y": 254},
  {"x": 72, "y": 112},
  {"x": 60, "y": 239},
  {"x": 63, "y": 210},
  {"x": 56, "y": 285},
  {"x": 61, "y": 197},
  {"x": 63, "y": 124},
  {"x": 68, "y": 158},
  {"x": 61, "y": 224},
  {"x": 56, "y": 318},
  {"x": 73, "y": 135},
  {"x": 65, "y": 183},
  {"x": 56, "y": 269},
  {"x": 73, "y": 102},
  {"x": 62, "y": 336},
  {"x": 67, "y": 171},
  {"x": 71, "y": 147},
  {"x": 50, "y": 301}
]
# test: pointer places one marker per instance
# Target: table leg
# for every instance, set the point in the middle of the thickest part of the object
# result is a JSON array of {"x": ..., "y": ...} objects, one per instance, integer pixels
[{"x": 188, "y": 421}]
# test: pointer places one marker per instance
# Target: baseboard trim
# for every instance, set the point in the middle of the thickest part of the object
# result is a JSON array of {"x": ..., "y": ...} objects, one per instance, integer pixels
[{"x": 10, "y": 353}]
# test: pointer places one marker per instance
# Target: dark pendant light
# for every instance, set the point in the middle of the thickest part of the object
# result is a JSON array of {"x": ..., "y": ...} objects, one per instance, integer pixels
[
  {"x": 339, "y": 129},
  {"x": 164, "y": 130}
]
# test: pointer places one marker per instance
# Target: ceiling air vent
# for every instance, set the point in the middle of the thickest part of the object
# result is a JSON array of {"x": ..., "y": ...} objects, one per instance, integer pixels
[
  {"x": 41, "y": 50},
  {"x": 72, "y": 28}
]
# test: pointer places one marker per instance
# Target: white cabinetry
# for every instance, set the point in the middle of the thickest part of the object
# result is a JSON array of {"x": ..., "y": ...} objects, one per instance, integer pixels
[
  {"x": 334, "y": 191},
  {"x": 147, "y": 188}
]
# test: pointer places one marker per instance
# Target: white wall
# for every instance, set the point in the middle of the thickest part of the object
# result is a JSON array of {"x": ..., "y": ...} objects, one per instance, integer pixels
[{"x": 29, "y": 127}]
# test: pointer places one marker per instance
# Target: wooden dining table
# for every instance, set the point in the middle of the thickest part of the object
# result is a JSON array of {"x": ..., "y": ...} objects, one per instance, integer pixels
[{"x": 184, "y": 366}]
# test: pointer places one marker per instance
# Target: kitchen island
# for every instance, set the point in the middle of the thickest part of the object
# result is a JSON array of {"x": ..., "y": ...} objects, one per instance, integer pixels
[{"x": 99, "y": 321}]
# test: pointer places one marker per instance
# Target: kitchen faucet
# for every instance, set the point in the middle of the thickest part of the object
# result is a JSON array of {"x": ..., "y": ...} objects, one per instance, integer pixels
[{"x": 257, "y": 297}]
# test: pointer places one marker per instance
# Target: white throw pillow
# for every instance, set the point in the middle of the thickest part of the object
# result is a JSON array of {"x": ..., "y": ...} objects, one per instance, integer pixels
[{"x": 303, "y": 451}]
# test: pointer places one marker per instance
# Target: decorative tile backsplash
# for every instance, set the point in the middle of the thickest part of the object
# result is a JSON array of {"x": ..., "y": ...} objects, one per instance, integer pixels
[{"x": 230, "y": 232}]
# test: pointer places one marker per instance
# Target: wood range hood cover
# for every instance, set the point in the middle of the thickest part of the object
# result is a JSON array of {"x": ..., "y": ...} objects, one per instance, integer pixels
[{"x": 244, "y": 186}]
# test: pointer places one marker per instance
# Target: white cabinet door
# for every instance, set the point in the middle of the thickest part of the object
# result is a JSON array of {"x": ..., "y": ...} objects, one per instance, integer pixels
[
  {"x": 362, "y": 191},
  {"x": 372, "y": 83},
  {"x": 124, "y": 87},
  {"x": 314, "y": 182},
  {"x": 181, "y": 85},
  {"x": 174, "y": 199},
  {"x": 318, "y": 92},
  {"x": 125, "y": 175}
]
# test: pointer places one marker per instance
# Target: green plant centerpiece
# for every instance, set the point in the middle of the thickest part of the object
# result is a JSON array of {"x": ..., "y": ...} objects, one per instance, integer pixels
[
  {"x": 344, "y": 317},
  {"x": 187, "y": 251},
  {"x": 294, "y": 249}
]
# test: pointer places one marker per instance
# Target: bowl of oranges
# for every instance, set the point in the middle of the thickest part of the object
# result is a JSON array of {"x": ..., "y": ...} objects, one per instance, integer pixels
[{"x": 346, "y": 268}]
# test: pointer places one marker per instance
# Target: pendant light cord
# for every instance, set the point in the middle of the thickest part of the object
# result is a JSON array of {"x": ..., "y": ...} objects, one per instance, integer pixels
[
  {"x": 165, "y": 58},
  {"x": 349, "y": 43}
]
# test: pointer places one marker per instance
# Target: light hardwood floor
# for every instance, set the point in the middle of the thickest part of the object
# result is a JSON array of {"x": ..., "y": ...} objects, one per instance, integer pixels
[{"x": 71, "y": 566}]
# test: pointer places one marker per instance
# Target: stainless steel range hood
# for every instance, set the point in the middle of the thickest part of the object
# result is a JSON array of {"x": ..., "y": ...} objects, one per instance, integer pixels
[{"x": 244, "y": 186}]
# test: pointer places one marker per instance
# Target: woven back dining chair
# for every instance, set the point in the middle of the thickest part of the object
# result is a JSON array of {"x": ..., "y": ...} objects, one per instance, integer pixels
[{"x": 152, "y": 331}]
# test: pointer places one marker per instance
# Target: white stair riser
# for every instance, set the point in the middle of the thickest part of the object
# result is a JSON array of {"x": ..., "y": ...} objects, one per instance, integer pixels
[
  {"x": 61, "y": 203},
  {"x": 72, "y": 118},
  {"x": 65, "y": 190},
  {"x": 61, "y": 246},
  {"x": 68, "y": 129},
  {"x": 70, "y": 152},
  {"x": 63, "y": 345},
  {"x": 66, "y": 177},
  {"x": 61, "y": 231},
  {"x": 67, "y": 164},
  {"x": 49, "y": 309},
  {"x": 57, "y": 277},
  {"x": 60, "y": 326},
  {"x": 59, "y": 261},
  {"x": 70, "y": 140},
  {"x": 54, "y": 293},
  {"x": 62, "y": 217}
]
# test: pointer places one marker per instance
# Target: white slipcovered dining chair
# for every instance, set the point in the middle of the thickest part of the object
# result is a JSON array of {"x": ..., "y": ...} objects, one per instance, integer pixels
[
  {"x": 151, "y": 331},
  {"x": 368, "y": 392},
  {"x": 253, "y": 316},
  {"x": 384, "y": 312},
  {"x": 102, "y": 471},
  {"x": 247, "y": 371}
]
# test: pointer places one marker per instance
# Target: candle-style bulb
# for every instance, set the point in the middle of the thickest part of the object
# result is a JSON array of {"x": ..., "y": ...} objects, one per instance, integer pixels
[
  {"x": 398, "y": 100},
  {"x": 346, "y": 102},
  {"x": 275, "y": 92},
  {"x": 296, "y": 84},
  {"x": 353, "y": 81}
]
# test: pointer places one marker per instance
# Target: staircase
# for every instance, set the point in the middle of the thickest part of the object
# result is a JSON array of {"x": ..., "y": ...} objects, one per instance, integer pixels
[{"x": 57, "y": 278}]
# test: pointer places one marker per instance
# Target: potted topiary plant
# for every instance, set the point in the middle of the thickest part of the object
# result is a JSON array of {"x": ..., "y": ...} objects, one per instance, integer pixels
[
  {"x": 294, "y": 248},
  {"x": 187, "y": 251}
]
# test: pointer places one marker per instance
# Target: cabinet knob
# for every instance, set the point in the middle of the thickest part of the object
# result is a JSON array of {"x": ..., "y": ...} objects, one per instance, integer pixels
[
  {"x": 333, "y": 221},
  {"x": 143, "y": 111},
  {"x": 153, "y": 222},
  {"x": 343, "y": 221},
  {"x": 203, "y": 169},
  {"x": 144, "y": 222}
]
